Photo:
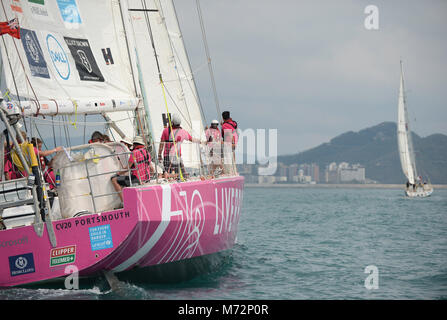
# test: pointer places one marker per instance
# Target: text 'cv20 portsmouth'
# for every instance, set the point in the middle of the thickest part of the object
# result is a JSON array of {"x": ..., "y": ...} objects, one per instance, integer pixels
[{"x": 150, "y": 190}]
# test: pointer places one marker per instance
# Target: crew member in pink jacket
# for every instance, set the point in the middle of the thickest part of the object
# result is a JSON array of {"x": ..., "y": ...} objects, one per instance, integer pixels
[{"x": 230, "y": 138}]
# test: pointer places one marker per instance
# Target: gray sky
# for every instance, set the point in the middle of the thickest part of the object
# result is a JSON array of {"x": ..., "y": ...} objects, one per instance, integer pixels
[{"x": 313, "y": 71}]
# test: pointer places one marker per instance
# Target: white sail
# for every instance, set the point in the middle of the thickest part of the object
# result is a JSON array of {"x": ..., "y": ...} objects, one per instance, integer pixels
[
  {"x": 68, "y": 56},
  {"x": 162, "y": 56},
  {"x": 404, "y": 137}
]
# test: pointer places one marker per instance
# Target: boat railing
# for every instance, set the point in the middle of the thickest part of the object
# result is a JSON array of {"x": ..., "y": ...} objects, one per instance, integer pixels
[
  {"x": 12, "y": 192},
  {"x": 209, "y": 161},
  {"x": 18, "y": 203},
  {"x": 192, "y": 159}
]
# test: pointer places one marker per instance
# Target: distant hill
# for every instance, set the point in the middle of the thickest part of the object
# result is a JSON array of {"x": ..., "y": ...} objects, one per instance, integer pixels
[{"x": 376, "y": 149}]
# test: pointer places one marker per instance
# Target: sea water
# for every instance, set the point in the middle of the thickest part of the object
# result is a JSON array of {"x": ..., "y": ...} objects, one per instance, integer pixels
[{"x": 310, "y": 243}]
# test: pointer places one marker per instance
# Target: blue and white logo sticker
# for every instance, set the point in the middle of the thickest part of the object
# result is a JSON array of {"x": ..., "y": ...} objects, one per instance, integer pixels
[
  {"x": 100, "y": 237},
  {"x": 69, "y": 11},
  {"x": 21, "y": 264},
  {"x": 58, "y": 56},
  {"x": 36, "y": 61}
]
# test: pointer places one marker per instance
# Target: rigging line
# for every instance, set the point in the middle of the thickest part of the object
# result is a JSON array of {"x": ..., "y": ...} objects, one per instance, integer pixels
[
  {"x": 67, "y": 133},
  {"x": 21, "y": 63},
  {"x": 210, "y": 67},
  {"x": 9, "y": 62},
  {"x": 148, "y": 24},
  {"x": 149, "y": 28},
  {"x": 147, "y": 144},
  {"x": 60, "y": 132},
  {"x": 85, "y": 127},
  {"x": 192, "y": 86},
  {"x": 189, "y": 74},
  {"x": 171, "y": 45},
  {"x": 13, "y": 77},
  {"x": 143, "y": 3},
  {"x": 50, "y": 71},
  {"x": 40, "y": 135},
  {"x": 87, "y": 123},
  {"x": 54, "y": 133},
  {"x": 76, "y": 114},
  {"x": 173, "y": 136},
  {"x": 127, "y": 46},
  {"x": 175, "y": 104}
]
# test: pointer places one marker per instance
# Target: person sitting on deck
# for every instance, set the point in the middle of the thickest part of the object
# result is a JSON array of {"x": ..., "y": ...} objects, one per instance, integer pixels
[
  {"x": 96, "y": 137},
  {"x": 140, "y": 165}
]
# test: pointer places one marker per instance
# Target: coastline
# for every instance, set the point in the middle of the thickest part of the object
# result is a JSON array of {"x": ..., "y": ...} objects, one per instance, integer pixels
[{"x": 333, "y": 185}]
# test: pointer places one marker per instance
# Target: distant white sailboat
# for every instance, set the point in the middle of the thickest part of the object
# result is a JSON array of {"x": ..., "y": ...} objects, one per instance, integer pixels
[{"x": 415, "y": 186}]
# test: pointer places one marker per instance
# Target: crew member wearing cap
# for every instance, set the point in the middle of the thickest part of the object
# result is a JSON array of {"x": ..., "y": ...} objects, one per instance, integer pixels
[
  {"x": 127, "y": 142},
  {"x": 212, "y": 133},
  {"x": 214, "y": 141},
  {"x": 140, "y": 165},
  {"x": 172, "y": 153}
]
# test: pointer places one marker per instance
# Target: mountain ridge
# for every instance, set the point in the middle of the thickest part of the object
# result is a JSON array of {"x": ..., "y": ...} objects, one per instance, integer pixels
[{"x": 376, "y": 148}]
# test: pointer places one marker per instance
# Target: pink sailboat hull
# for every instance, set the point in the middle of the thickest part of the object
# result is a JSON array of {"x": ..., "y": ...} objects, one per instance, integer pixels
[{"x": 158, "y": 224}]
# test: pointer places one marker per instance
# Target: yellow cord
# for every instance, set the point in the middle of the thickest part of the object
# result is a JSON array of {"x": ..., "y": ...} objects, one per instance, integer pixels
[
  {"x": 172, "y": 133},
  {"x": 76, "y": 113}
]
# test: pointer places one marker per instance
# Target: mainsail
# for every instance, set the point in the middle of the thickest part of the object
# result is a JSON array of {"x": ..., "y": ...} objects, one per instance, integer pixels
[
  {"x": 166, "y": 77},
  {"x": 404, "y": 140},
  {"x": 69, "y": 59}
]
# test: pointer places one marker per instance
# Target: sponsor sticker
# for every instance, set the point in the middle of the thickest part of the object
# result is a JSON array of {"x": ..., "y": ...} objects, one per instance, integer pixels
[
  {"x": 33, "y": 51},
  {"x": 69, "y": 11},
  {"x": 62, "y": 255},
  {"x": 107, "y": 54},
  {"x": 16, "y": 8},
  {"x": 39, "y": 10},
  {"x": 21, "y": 264},
  {"x": 100, "y": 237},
  {"x": 15, "y": 242},
  {"x": 58, "y": 57},
  {"x": 85, "y": 61}
]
